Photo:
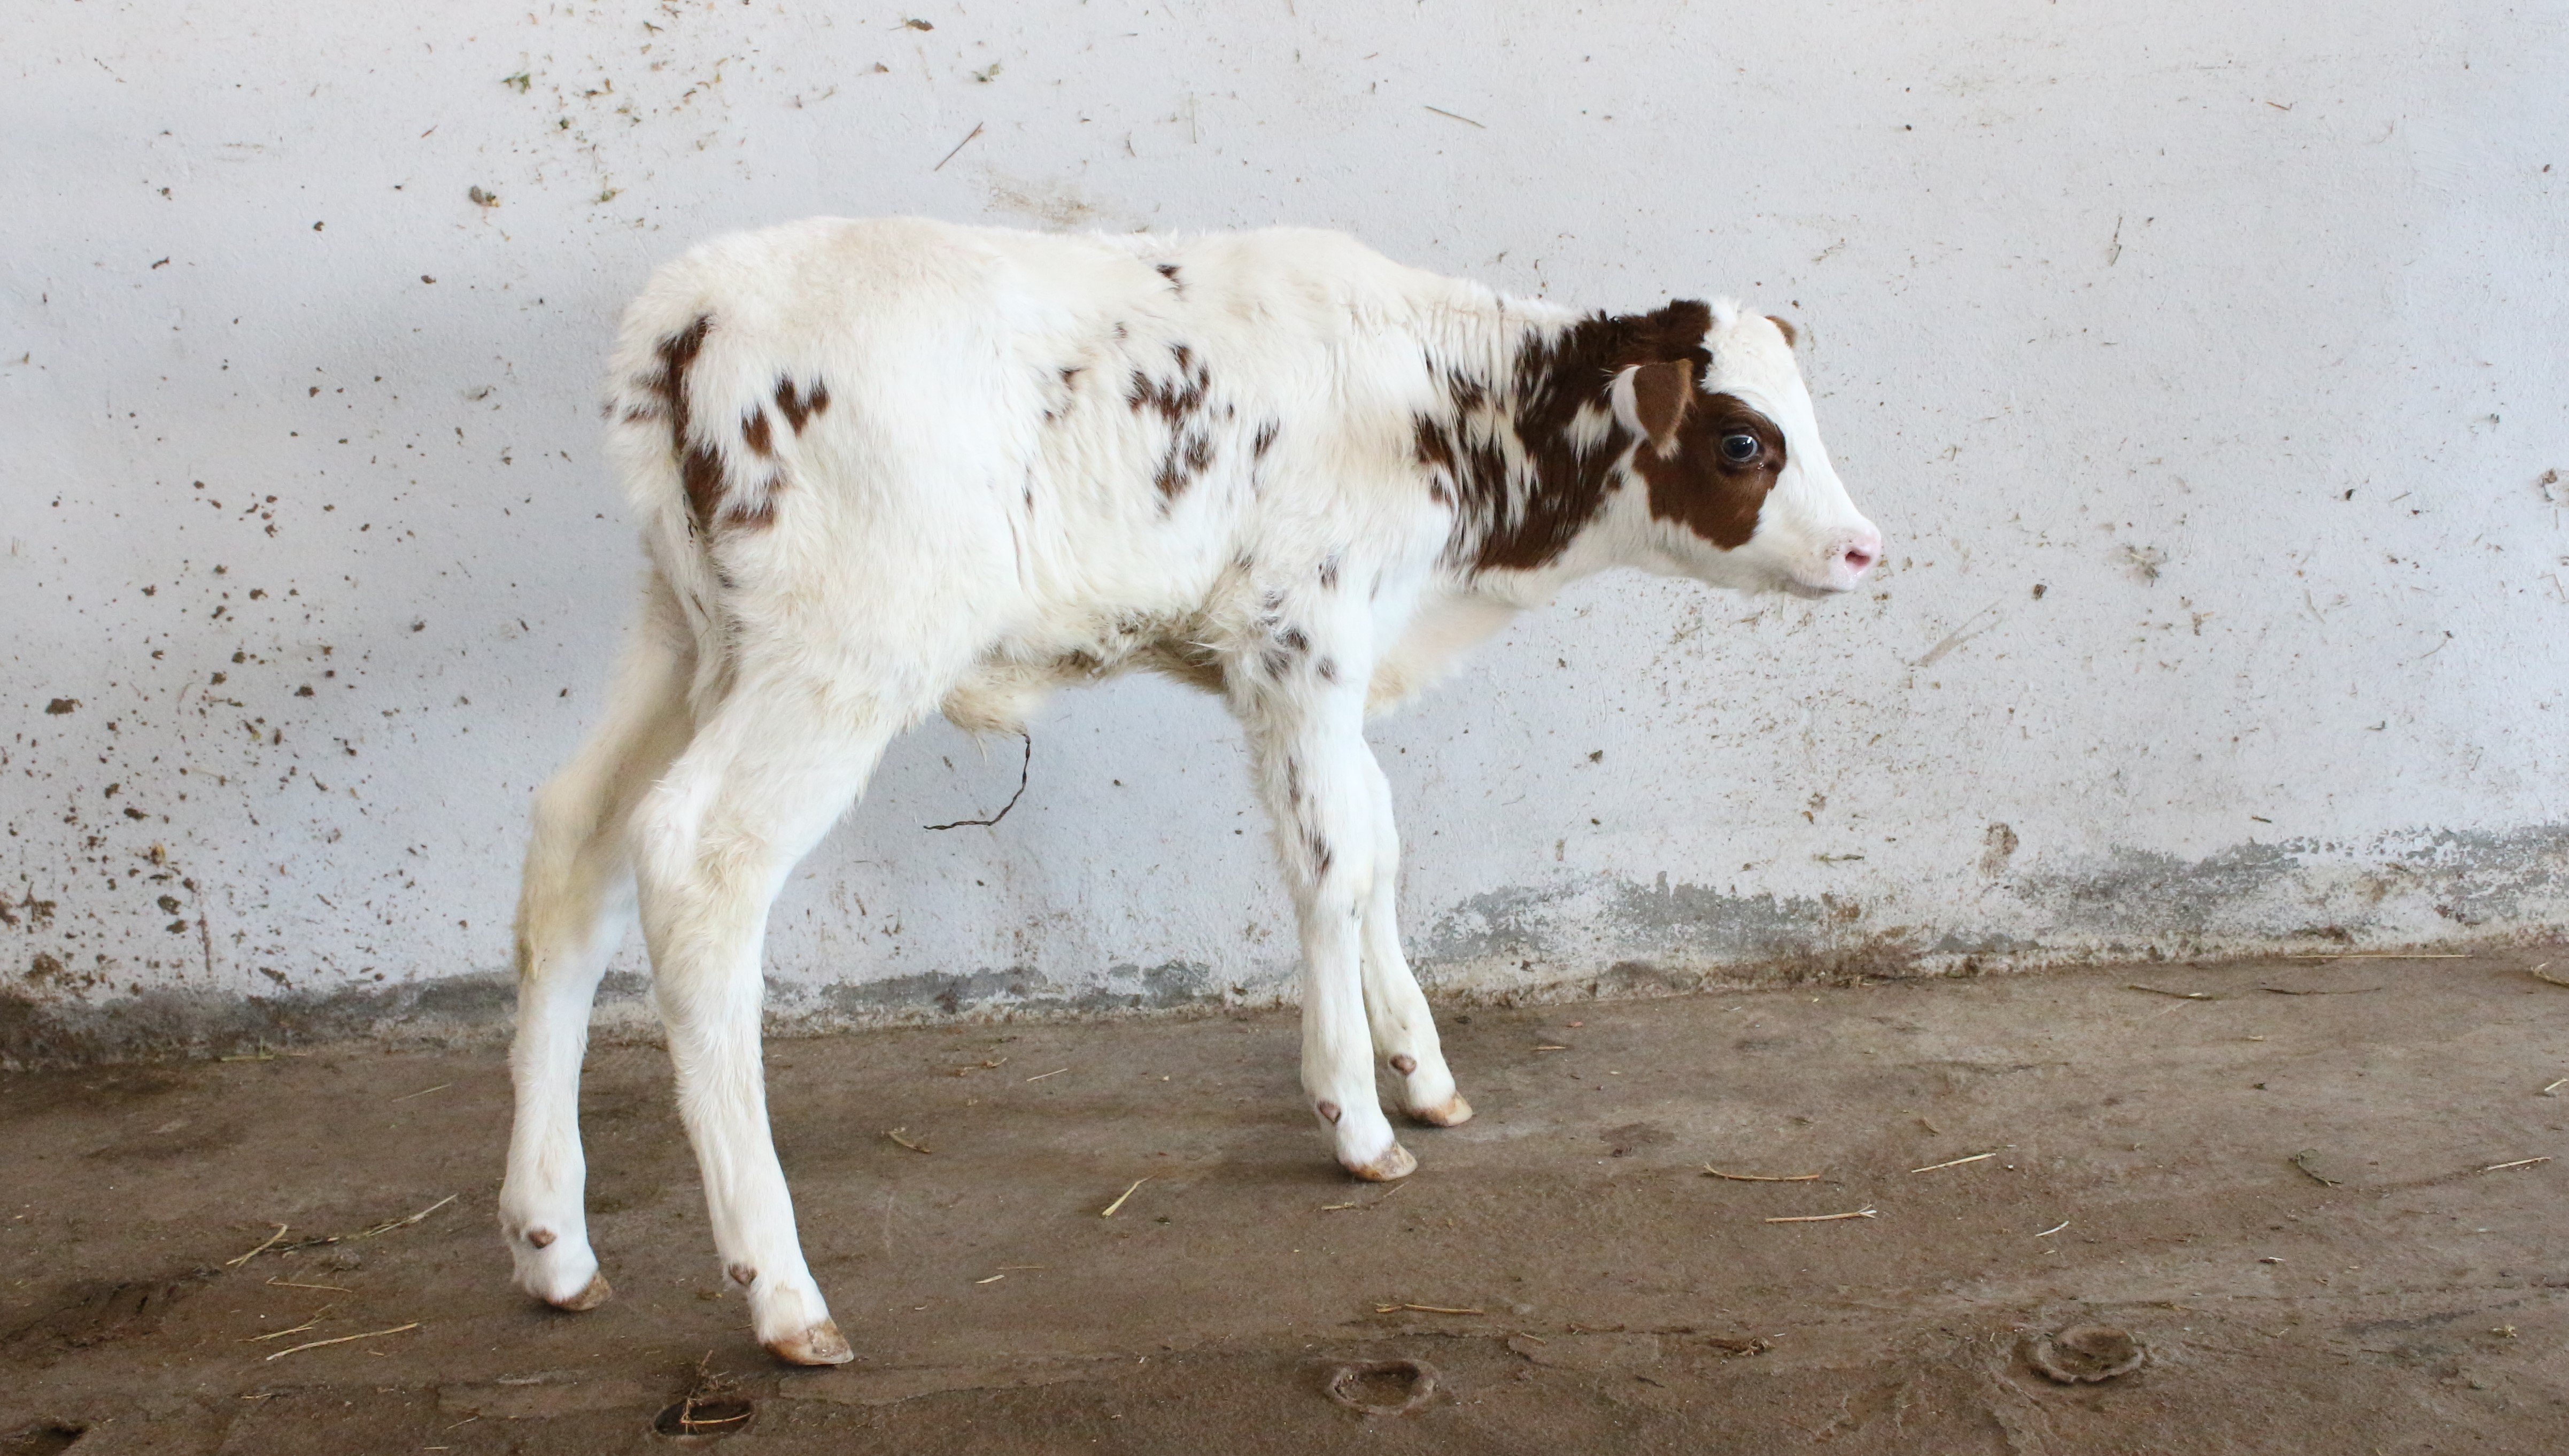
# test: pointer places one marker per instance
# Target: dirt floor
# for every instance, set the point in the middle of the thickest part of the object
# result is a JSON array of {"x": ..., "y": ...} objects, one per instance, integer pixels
[{"x": 2293, "y": 1191}]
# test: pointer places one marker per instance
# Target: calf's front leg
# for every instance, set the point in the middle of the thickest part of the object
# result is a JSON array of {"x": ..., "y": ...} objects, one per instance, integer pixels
[
  {"x": 1315, "y": 775},
  {"x": 1404, "y": 1030}
]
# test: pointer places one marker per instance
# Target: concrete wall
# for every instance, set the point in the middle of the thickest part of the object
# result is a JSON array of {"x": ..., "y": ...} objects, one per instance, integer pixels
[{"x": 2202, "y": 362}]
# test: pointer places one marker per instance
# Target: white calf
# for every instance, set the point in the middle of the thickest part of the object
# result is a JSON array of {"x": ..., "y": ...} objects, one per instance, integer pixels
[{"x": 894, "y": 467}]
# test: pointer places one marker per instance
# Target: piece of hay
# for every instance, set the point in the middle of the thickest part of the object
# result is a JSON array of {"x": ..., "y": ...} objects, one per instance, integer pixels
[
  {"x": 342, "y": 1339},
  {"x": 1823, "y": 1217},
  {"x": 1108, "y": 1211},
  {"x": 262, "y": 1248},
  {"x": 2302, "y": 1160},
  {"x": 390, "y": 1224}
]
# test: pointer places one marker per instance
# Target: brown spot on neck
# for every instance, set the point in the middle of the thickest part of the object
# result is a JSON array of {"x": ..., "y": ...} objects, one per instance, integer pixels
[{"x": 1520, "y": 517}]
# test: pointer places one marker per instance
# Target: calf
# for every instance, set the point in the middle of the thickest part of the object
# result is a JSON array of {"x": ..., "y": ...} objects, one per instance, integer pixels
[{"x": 893, "y": 467}]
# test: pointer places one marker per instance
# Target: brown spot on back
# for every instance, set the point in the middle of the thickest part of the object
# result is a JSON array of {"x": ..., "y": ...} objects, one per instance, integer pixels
[
  {"x": 699, "y": 468},
  {"x": 1170, "y": 272},
  {"x": 756, "y": 515},
  {"x": 753, "y": 429},
  {"x": 788, "y": 402},
  {"x": 1180, "y": 403},
  {"x": 798, "y": 407}
]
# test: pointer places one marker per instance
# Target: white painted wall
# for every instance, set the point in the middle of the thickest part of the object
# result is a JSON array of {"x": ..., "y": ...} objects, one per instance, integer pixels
[{"x": 303, "y": 508}]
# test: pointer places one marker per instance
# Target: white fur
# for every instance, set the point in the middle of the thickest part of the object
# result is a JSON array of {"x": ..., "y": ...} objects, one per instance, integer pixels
[{"x": 977, "y": 517}]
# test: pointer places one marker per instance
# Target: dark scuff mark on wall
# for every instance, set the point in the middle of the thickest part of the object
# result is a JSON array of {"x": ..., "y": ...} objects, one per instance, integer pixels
[{"x": 1589, "y": 936}]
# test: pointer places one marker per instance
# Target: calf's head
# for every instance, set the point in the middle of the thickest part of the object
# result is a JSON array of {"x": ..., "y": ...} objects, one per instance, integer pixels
[{"x": 1738, "y": 488}]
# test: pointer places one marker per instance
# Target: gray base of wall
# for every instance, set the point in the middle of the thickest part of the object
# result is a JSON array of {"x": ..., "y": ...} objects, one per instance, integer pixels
[{"x": 2437, "y": 891}]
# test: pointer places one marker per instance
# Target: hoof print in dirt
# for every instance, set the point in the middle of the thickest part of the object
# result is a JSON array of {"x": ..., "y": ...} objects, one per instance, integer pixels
[
  {"x": 44, "y": 1438},
  {"x": 713, "y": 1407},
  {"x": 2085, "y": 1352},
  {"x": 1383, "y": 1387}
]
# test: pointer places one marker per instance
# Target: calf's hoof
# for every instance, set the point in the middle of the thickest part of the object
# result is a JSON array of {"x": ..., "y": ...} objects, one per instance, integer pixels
[
  {"x": 1389, "y": 1165},
  {"x": 820, "y": 1344},
  {"x": 1454, "y": 1113},
  {"x": 591, "y": 1295}
]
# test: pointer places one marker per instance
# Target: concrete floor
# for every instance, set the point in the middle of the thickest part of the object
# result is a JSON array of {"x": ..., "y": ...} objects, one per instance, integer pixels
[{"x": 2384, "y": 1293}]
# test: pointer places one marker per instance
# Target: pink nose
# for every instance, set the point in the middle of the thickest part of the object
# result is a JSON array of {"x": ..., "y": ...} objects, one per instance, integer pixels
[{"x": 1860, "y": 554}]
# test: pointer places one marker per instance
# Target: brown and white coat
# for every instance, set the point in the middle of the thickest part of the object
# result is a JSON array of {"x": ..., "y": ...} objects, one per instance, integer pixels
[{"x": 893, "y": 467}]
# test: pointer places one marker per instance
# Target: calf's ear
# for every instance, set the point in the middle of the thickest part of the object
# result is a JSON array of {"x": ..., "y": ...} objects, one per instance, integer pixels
[{"x": 1651, "y": 399}]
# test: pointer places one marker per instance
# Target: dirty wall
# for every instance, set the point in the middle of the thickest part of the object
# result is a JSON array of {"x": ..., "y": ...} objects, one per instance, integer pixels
[{"x": 2201, "y": 362}]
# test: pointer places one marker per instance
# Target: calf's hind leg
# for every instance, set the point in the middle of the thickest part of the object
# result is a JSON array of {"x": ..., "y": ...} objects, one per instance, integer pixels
[
  {"x": 577, "y": 890},
  {"x": 765, "y": 777}
]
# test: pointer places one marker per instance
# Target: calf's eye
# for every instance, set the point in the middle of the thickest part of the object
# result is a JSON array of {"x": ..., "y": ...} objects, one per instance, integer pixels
[{"x": 1739, "y": 449}]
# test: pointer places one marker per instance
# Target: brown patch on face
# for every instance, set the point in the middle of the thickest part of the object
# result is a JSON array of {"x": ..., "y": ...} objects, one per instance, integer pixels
[
  {"x": 1519, "y": 519},
  {"x": 1703, "y": 485},
  {"x": 1792, "y": 335}
]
